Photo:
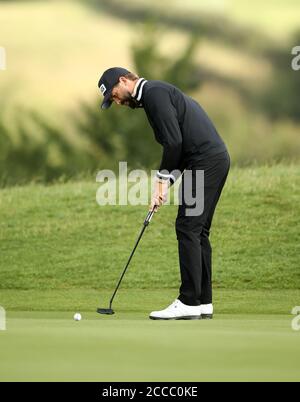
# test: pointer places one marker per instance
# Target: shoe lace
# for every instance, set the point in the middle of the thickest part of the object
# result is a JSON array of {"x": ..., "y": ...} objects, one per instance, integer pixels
[{"x": 174, "y": 304}]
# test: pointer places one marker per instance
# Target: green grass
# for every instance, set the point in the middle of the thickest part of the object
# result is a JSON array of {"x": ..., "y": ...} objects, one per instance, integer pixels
[
  {"x": 62, "y": 253},
  {"x": 143, "y": 301},
  {"x": 52, "y": 347},
  {"x": 57, "y": 237}
]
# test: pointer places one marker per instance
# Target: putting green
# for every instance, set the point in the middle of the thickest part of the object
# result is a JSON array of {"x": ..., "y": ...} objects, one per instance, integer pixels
[{"x": 130, "y": 347}]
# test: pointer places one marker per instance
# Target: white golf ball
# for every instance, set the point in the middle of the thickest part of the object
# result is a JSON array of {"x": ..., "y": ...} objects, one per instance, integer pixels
[{"x": 77, "y": 317}]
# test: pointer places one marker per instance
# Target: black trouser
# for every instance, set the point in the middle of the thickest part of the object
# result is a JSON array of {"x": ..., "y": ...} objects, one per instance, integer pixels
[{"x": 195, "y": 253}]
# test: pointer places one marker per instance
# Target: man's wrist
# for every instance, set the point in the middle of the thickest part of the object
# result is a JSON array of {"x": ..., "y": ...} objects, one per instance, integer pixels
[{"x": 165, "y": 177}]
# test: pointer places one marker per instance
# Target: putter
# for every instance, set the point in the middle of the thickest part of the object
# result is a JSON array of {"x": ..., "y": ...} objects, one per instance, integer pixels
[{"x": 110, "y": 311}]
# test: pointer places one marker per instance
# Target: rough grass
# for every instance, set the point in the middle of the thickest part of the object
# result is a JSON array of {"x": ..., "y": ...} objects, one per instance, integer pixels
[{"x": 57, "y": 238}]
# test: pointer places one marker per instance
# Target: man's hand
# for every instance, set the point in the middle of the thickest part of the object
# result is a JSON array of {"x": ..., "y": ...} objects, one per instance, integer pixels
[{"x": 160, "y": 194}]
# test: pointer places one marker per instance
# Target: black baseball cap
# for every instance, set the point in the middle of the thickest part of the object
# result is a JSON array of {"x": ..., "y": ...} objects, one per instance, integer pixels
[{"x": 108, "y": 80}]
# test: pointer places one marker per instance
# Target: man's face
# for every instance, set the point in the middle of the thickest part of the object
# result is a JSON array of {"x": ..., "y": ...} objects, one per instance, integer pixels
[{"x": 121, "y": 93}]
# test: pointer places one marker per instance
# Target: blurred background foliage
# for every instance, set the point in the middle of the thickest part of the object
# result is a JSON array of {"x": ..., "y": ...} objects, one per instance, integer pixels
[{"x": 234, "y": 57}]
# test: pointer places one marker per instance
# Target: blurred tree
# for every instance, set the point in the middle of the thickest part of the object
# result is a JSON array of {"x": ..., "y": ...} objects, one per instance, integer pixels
[
  {"x": 281, "y": 97},
  {"x": 181, "y": 71},
  {"x": 118, "y": 134},
  {"x": 24, "y": 157},
  {"x": 41, "y": 151}
]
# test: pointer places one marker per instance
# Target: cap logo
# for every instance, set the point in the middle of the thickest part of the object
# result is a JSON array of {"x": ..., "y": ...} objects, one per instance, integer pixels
[{"x": 103, "y": 89}]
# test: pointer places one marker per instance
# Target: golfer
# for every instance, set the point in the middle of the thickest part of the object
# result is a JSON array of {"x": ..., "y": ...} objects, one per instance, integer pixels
[{"x": 191, "y": 145}]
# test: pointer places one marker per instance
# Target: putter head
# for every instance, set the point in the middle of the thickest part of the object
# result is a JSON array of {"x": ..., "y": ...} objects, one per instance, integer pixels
[{"x": 107, "y": 311}]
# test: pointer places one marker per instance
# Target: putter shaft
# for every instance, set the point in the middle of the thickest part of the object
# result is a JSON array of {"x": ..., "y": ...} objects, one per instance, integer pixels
[{"x": 146, "y": 223}]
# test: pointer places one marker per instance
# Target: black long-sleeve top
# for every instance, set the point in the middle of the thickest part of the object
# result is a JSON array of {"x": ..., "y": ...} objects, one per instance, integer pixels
[{"x": 180, "y": 125}]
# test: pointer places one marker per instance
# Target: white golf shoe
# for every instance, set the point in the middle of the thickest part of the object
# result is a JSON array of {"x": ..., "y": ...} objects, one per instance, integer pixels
[
  {"x": 207, "y": 311},
  {"x": 177, "y": 311}
]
